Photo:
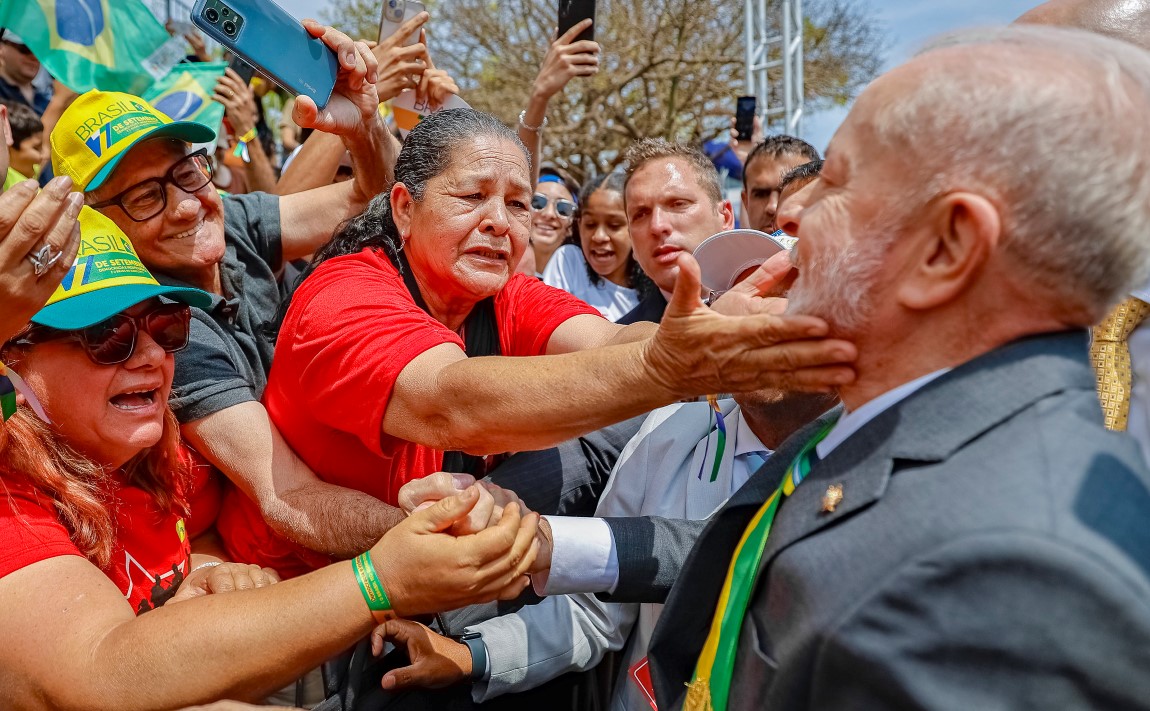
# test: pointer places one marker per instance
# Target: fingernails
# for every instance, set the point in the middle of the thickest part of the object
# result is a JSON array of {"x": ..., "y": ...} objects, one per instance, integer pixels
[
  {"x": 59, "y": 186},
  {"x": 349, "y": 57},
  {"x": 462, "y": 481},
  {"x": 75, "y": 204}
]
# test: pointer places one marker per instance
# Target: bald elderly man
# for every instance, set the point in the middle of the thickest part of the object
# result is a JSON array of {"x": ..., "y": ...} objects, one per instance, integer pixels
[{"x": 968, "y": 534}]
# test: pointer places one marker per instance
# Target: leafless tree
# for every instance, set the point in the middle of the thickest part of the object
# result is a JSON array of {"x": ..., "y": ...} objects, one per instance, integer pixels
[{"x": 669, "y": 68}]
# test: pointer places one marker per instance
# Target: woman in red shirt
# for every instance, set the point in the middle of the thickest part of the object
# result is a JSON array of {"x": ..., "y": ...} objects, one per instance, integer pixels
[
  {"x": 92, "y": 529},
  {"x": 376, "y": 373}
]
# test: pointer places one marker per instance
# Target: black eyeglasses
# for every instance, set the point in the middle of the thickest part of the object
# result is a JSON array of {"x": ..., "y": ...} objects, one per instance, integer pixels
[
  {"x": 21, "y": 48},
  {"x": 148, "y": 198},
  {"x": 114, "y": 340},
  {"x": 563, "y": 208}
]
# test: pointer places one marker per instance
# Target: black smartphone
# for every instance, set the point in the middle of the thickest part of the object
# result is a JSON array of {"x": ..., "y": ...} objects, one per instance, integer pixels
[
  {"x": 745, "y": 117},
  {"x": 245, "y": 70},
  {"x": 572, "y": 12}
]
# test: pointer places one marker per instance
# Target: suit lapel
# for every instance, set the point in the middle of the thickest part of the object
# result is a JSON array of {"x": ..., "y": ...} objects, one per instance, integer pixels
[
  {"x": 683, "y": 627},
  {"x": 929, "y": 426}
]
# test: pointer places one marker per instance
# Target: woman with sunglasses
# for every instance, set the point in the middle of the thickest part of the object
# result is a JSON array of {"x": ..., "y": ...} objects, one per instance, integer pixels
[
  {"x": 601, "y": 269},
  {"x": 93, "y": 525},
  {"x": 552, "y": 215}
]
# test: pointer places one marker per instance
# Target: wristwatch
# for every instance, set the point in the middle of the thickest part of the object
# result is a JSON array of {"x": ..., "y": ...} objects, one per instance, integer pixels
[{"x": 474, "y": 642}]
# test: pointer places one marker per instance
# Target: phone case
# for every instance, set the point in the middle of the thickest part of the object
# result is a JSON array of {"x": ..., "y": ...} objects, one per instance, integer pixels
[
  {"x": 277, "y": 45},
  {"x": 388, "y": 27},
  {"x": 572, "y": 12}
]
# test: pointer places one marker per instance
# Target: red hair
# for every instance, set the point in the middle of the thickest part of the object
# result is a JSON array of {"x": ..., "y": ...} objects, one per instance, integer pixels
[{"x": 32, "y": 451}]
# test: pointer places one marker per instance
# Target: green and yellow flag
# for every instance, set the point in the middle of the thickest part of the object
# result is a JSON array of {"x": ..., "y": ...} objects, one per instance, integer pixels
[
  {"x": 113, "y": 45},
  {"x": 186, "y": 94}
]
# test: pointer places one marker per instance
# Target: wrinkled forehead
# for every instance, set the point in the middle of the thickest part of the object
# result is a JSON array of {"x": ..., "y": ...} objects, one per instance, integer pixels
[{"x": 489, "y": 156}]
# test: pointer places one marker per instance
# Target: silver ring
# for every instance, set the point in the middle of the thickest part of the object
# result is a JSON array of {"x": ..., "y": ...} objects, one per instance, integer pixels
[{"x": 44, "y": 258}]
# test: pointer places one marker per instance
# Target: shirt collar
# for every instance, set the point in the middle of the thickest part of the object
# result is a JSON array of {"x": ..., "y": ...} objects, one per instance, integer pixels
[
  {"x": 852, "y": 422},
  {"x": 746, "y": 441}
]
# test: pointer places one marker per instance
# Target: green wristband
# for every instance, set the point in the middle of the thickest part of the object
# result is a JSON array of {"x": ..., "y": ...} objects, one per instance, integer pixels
[{"x": 369, "y": 583}]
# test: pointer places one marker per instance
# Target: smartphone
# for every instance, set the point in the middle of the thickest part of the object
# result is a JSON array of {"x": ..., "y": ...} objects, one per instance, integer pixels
[
  {"x": 572, "y": 12},
  {"x": 267, "y": 37},
  {"x": 245, "y": 70},
  {"x": 395, "y": 13},
  {"x": 745, "y": 117}
]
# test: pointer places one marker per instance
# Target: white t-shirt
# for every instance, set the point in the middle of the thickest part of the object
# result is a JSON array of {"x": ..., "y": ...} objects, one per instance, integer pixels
[{"x": 567, "y": 270}]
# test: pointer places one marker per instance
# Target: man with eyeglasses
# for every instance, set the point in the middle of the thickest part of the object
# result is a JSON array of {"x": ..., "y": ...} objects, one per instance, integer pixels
[
  {"x": 148, "y": 175},
  {"x": 18, "y": 67}
]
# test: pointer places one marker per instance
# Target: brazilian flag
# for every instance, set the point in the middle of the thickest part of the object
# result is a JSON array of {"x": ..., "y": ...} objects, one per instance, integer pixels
[
  {"x": 89, "y": 44},
  {"x": 185, "y": 94}
]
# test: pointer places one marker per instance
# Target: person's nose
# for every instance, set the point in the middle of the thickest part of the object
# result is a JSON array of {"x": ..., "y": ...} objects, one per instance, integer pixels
[
  {"x": 600, "y": 236},
  {"x": 789, "y": 219},
  {"x": 496, "y": 221},
  {"x": 660, "y": 223},
  {"x": 147, "y": 353},
  {"x": 773, "y": 203},
  {"x": 182, "y": 205}
]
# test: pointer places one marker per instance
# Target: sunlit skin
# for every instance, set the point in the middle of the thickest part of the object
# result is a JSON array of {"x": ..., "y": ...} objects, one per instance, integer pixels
[
  {"x": 606, "y": 241},
  {"x": 108, "y": 413},
  {"x": 668, "y": 213},
  {"x": 548, "y": 229},
  {"x": 186, "y": 240},
  {"x": 468, "y": 233},
  {"x": 25, "y": 156},
  {"x": 761, "y": 189}
]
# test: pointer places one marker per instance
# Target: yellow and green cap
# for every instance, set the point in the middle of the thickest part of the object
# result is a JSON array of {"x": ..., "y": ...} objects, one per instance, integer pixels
[
  {"x": 107, "y": 278},
  {"x": 99, "y": 128}
]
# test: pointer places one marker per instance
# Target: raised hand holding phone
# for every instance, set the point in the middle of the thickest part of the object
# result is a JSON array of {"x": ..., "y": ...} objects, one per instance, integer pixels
[
  {"x": 354, "y": 102},
  {"x": 566, "y": 59}
]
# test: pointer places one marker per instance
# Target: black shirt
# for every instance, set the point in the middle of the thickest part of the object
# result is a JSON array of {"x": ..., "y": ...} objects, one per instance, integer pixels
[{"x": 230, "y": 353}]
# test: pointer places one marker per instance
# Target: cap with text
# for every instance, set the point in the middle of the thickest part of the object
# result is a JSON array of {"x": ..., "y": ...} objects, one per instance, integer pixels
[
  {"x": 107, "y": 278},
  {"x": 99, "y": 128}
]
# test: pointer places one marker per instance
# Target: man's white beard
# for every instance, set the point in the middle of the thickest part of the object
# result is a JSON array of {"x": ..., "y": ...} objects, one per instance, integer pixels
[{"x": 838, "y": 286}]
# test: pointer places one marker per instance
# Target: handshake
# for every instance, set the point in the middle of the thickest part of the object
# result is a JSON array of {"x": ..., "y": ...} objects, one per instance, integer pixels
[{"x": 488, "y": 511}]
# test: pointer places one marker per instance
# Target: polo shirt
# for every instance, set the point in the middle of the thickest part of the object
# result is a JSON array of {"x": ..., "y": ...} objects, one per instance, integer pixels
[{"x": 229, "y": 354}]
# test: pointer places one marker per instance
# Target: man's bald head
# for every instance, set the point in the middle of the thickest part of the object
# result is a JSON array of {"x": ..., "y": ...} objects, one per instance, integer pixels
[{"x": 1126, "y": 20}]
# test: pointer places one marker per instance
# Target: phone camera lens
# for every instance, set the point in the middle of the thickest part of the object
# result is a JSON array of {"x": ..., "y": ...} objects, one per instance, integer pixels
[
  {"x": 226, "y": 12},
  {"x": 230, "y": 28},
  {"x": 212, "y": 15}
]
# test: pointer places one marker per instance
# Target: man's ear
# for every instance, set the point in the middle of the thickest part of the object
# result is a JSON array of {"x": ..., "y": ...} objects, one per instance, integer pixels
[
  {"x": 728, "y": 214},
  {"x": 402, "y": 206},
  {"x": 964, "y": 231}
]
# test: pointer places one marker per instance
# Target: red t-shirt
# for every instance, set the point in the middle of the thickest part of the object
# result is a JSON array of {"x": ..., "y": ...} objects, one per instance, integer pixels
[
  {"x": 150, "y": 558},
  {"x": 351, "y": 329}
]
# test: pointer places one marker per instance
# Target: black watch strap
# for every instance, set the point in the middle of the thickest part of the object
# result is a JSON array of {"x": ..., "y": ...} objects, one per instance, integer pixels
[{"x": 474, "y": 642}]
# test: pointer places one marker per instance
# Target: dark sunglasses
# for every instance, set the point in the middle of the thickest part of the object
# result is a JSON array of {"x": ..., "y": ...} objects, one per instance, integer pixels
[
  {"x": 148, "y": 198},
  {"x": 563, "y": 208},
  {"x": 114, "y": 340},
  {"x": 21, "y": 48}
]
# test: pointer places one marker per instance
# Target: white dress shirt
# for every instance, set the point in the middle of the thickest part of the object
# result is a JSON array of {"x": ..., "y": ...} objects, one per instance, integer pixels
[
  {"x": 583, "y": 554},
  {"x": 583, "y": 549},
  {"x": 672, "y": 467}
]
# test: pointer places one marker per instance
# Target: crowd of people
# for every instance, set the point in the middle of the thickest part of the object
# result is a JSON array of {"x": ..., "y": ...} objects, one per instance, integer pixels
[{"x": 357, "y": 421}]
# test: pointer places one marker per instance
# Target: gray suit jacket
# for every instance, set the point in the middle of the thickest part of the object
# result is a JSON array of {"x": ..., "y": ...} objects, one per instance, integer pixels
[{"x": 991, "y": 552}]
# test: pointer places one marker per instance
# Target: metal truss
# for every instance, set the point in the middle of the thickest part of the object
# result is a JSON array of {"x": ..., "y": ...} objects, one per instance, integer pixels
[{"x": 775, "y": 42}]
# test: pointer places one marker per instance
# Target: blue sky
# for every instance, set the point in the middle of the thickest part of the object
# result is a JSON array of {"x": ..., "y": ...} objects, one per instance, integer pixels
[{"x": 908, "y": 25}]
